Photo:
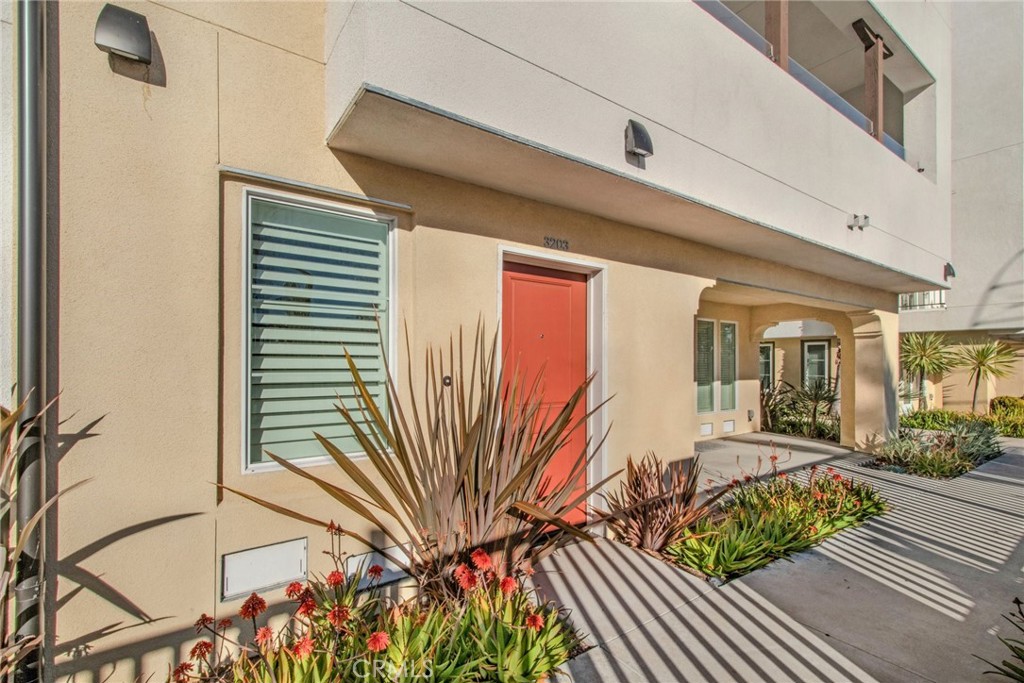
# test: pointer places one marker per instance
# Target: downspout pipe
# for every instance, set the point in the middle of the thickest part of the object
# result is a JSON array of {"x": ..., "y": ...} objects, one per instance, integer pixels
[{"x": 31, "y": 320}]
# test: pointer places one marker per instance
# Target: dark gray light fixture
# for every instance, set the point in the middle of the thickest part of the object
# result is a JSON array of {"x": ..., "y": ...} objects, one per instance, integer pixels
[
  {"x": 638, "y": 141},
  {"x": 948, "y": 271},
  {"x": 868, "y": 36},
  {"x": 124, "y": 33}
]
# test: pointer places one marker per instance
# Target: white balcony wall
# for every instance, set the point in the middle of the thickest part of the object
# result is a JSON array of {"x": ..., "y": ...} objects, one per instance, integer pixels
[{"x": 729, "y": 127}]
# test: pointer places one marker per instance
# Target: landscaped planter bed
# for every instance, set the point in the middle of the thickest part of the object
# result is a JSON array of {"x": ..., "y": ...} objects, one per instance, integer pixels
[
  {"x": 751, "y": 522},
  {"x": 765, "y": 520},
  {"x": 938, "y": 453}
]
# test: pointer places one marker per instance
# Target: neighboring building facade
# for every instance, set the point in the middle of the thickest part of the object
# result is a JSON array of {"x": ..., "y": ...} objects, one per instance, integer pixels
[
  {"x": 231, "y": 214},
  {"x": 986, "y": 299}
]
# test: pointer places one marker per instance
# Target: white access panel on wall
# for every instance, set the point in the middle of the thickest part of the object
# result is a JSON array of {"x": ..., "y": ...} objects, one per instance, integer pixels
[{"x": 258, "y": 569}]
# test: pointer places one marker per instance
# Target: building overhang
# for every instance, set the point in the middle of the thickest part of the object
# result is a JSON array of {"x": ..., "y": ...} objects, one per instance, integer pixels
[{"x": 390, "y": 127}]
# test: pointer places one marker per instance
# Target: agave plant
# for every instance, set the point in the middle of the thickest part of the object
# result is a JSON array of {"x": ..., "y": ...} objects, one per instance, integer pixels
[
  {"x": 655, "y": 506},
  {"x": 985, "y": 361},
  {"x": 926, "y": 354},
  {"x": 466, "y": 467},
  {"x": 816, "y": 399}
]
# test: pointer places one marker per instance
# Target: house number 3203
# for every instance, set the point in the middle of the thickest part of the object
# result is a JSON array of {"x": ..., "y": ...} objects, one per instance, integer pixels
[{"x": 555, "y": 243}]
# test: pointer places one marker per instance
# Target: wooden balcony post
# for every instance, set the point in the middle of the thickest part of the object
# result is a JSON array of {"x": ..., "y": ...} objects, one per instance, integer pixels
[
  {"x": 776, "y": 29},
  {"x": 873, "y": 82}
]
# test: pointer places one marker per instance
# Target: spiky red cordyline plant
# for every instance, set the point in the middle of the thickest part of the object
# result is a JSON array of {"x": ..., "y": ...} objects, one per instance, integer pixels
[
  {"x": 464, "y": 467},
  {"x": 13, "y": 432}
]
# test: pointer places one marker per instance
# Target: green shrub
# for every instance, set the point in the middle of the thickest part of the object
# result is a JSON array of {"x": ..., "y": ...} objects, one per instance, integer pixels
[
  {"x": 767, "y": 520},
  {"x": 1006, "y": 423},
  {"x": 1007, "y": 406},
  {"x": 933, "y": 419}
]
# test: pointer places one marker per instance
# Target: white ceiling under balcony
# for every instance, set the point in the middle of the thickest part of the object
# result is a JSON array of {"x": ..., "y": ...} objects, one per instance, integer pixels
[
  {"x": 386, "y": 126},
  {"x": 822, "y": 40}
]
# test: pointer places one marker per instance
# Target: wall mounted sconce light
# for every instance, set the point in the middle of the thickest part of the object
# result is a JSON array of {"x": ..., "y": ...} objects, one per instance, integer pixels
[
  {"x": 638, "y": 140},
  {"x": 124, "y": 33},
  {"x": 868, "y": 36},
  {"x": 948, "y": 271}
]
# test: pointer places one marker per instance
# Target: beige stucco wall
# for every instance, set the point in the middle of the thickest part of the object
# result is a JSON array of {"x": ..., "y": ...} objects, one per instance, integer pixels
[
  {"x": 149, "y": 322},
  {"x": 789, "y": 359},
  {"x": 954, "y": 390},
  {"x": 748, "y": 386}
]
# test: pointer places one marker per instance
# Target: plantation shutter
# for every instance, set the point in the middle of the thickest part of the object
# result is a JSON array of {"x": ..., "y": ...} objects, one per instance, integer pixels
[
  {"x": 727, "y": 371},
  {"x": 319, "y": 279},
  {"x": 705, "y": 366}
]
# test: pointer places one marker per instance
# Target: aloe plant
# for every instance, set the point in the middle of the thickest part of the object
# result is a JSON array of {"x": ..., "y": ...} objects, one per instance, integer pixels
[{"x": 466, "y": 466}]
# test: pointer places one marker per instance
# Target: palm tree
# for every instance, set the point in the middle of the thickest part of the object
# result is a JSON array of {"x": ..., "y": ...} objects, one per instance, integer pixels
[
  {"x": 926, "y": 354},
  {"x": 984, "y": 361}
]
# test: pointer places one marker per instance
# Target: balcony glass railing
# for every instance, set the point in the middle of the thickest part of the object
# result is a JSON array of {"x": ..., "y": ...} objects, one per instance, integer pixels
[
  {"x": 922, "y": 301},
  {"x": 831, "y": 97},
  {"x": 736, "y": 25},
  {"x": 741, "y": 28}
]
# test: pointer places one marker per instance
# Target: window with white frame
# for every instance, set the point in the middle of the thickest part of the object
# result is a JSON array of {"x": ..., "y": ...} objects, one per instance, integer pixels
[
  {"x": 318, "y": 282},
  {"x": 716, "y": 367},
  {"x": 816, "y": 362},
  {"x": 920, "y": 301},
  {"x": 727, "y": 370},
  {"x": 766, "y": 364}
]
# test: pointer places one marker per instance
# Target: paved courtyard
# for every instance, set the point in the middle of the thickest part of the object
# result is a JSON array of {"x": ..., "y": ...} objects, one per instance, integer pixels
[{"x": 909, "y": 596}]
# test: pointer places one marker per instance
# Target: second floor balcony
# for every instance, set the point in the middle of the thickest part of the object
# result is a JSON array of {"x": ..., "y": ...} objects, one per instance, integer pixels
[
  {"x": 827, "y": 47},
  {"x": 533, "y": 99}
]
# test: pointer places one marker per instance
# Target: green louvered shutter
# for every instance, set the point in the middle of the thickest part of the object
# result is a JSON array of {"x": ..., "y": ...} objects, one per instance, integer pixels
[
  {"x": 319, "y": 279},
  {"x": 727, "y": 371},
  {"x": 705, "y": 366}
]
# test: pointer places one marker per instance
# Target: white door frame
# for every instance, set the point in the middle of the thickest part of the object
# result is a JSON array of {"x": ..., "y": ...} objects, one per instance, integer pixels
[
  {"x": 803, "y": 358},
  {"x": 597, "y": 335}
]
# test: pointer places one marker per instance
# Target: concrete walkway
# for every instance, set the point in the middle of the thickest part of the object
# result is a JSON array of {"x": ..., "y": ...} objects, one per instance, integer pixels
[
  {"x": 734, "y": 456},
  {"x": 910, "y": 596}
]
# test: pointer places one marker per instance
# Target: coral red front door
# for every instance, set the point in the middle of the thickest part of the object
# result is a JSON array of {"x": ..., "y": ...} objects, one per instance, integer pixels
[{"x": 544, "y": 329}]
